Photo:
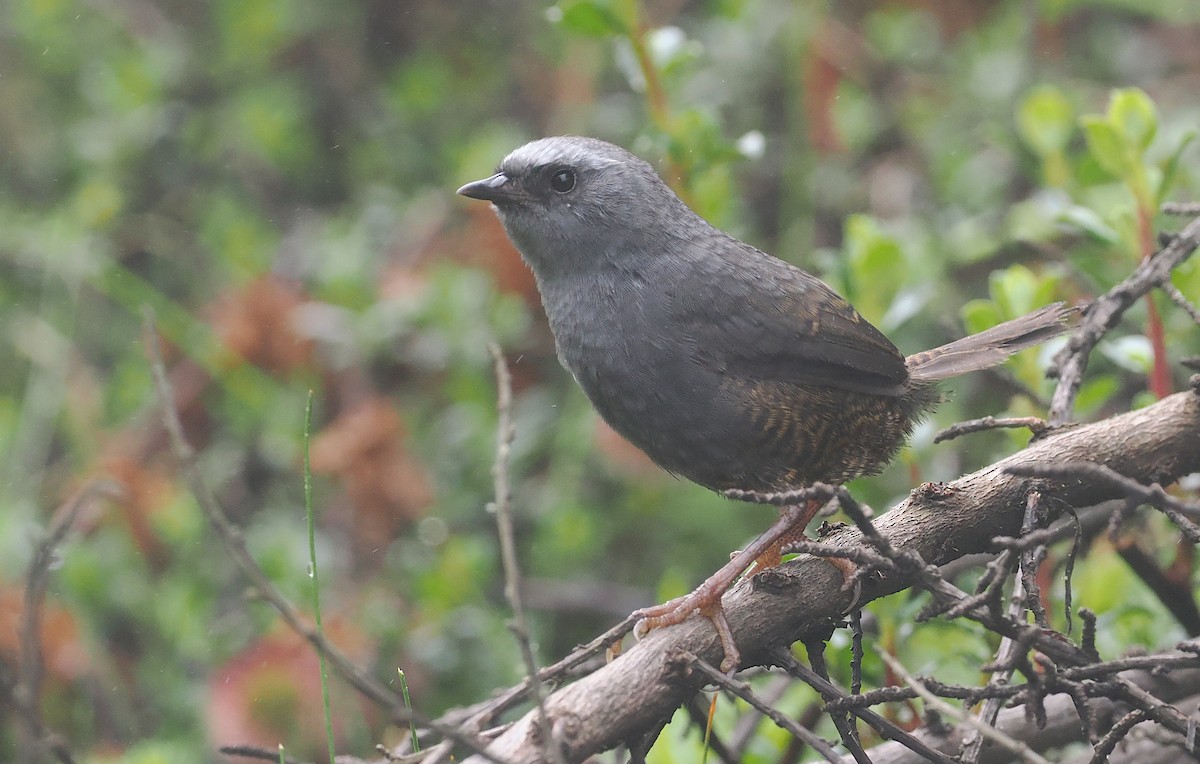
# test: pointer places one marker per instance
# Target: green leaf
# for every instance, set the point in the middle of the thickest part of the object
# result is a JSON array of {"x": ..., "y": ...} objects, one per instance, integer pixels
[
  {"x": 1132, "y": 113},
  {"x": 1132, "y": 353},
  {"x": 1171, "y": 168},
  {"x": 586, "y": 17},
  {"x": 876, "y": 266},
  {"x": 1015, "y": 290},
  {"x": 1094, "y": 393},
  {"x": 980, "y": 314},
  {"x": 1106, "y": 586},
  {"x": 1089, "y": 221},
  {"x": 1046, "y": 120},
  {"x": 1105, "y": 145}
]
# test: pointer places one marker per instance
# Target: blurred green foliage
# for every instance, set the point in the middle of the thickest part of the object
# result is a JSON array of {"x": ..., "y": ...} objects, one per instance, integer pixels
[{"x": 275, "y": 179}]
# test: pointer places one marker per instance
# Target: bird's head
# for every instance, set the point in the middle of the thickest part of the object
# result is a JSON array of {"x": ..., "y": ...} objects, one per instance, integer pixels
[{"x": 571, "y": 204}]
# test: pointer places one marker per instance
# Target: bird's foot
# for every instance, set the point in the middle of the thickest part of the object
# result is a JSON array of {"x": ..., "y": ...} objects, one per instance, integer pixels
[
  {"x": 848, "y": 569},
  {"x": 705, "y": 600},
  {"x": 764, "y": 552},
  {"x": 850, "y": 575}
]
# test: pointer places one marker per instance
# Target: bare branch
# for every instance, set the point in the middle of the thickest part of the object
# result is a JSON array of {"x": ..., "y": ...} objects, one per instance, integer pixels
[
  {"x": 743, "y": 691},
  {"x": 831, "y": 692},
  {"x": 502, "y": 508},
  {"x": 991, "y": 733},
  {"x": 841, "y": 721},
  {"x": 1005, "y": 655},
  {"x": 231, "y": 536},
  {"x": 1181, "y": 208},
  {"x": 1154, "y": 495},
  {"x": 1171, "y": 291},
  {"x": 27, "y": 691},
  {"x": 1105, "y": 313},
  {"x": 1036, "y": 425}
]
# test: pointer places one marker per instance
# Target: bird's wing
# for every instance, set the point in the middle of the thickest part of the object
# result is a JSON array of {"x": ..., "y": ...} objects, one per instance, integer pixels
[{"x": 768, "y": 320}]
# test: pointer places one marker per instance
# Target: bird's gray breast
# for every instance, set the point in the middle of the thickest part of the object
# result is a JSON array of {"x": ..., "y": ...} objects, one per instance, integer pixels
[{"x": 614, "y": 333}]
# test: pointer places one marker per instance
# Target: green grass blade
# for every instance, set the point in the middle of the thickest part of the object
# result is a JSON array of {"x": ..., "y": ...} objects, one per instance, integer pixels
[{"x": 312, "y": 571}]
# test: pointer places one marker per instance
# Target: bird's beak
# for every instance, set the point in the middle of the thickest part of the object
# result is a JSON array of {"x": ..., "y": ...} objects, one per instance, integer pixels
[{"x": 494, "y": 189}]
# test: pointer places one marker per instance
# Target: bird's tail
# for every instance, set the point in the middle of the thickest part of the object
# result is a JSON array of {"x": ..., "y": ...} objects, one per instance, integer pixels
[{"x": 991, "y": 346}]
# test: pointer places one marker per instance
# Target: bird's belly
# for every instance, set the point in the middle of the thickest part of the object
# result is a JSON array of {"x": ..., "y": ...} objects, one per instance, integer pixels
[
  {"x": 711, "y": 426},
  {"x": 668, "y": 415},
  {"x": 650, "y": 391},
  {"x": 725, "y": 432}
]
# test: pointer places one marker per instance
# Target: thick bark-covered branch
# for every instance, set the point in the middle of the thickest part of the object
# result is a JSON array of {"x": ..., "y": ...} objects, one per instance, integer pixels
[{"x": 1160, "y": 443}]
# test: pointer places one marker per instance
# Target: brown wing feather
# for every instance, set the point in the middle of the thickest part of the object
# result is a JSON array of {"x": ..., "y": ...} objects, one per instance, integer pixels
[{"x": 805, "y": 334}]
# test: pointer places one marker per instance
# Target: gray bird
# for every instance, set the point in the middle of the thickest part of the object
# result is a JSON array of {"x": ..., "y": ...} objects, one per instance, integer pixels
[{"x": 724, "y": 364}]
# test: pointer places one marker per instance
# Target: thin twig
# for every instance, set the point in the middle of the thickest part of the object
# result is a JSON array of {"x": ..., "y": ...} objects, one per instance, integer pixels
[
  {"x": 989, "y": 588},
  {"x": 1069, "y": 565},
  {"x": 231, "y": 536},
  {"x": 1177, "y": 297},
  {"x": 1016, "y": 747},
  {"x": 483, "y": 713},
  {"x": 28, "y": 691},
  {"x": 502, "y": 508},
  {"x": 973, "y": 742},
  {"x": 314, "y": 577},
  {"x": 1165, "y": 714},
  {"x": 856, "y": 651},
  {"x": 815, "y": 492},
  {"x": 1181, "y": 208},
  {"x": 1095, "y": 673},
  {"x": 1036, "y": 425},
  {"x": 699, "y": 712},
  {"x": 1062, "y": 651},
  {"x": 1031, "y": 558},
  {"x": 255, "y": 752},
  {"x": 743, "y": 691},
  {"x": 1108, "y": 743},
  {"x": 1105, "y": 313},
  {"x": 841, "y": 721},
  {"x": 1088, "y": 638},
  {"x": 746, "y": 726},
  {"x": 831, "y": 693},
  {"x": 1178, "y": 511}
]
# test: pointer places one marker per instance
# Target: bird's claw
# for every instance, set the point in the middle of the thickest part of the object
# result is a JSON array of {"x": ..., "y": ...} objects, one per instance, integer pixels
[{"x": 680, "y": 609}]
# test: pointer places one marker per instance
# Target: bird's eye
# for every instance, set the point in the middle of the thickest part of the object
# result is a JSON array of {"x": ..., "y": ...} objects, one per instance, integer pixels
[{"x": 562, "y": 181}]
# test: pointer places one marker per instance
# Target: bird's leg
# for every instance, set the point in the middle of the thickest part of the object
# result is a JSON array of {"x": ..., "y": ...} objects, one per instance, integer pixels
[
  {"x": 773, "y": 555},
  {"x": 766, "y": 551},
  {"x": 844, "y": 566}
]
